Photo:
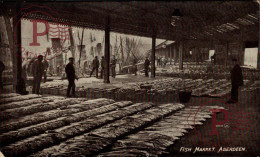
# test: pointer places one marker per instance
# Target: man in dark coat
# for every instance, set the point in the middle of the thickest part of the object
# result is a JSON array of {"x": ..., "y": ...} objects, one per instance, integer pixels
[
  {"x": 2, "y": 68},
  {"x": 135, "y": 67},
  {"x": 213, "y": 58},
  {"x": 102, "y": 66},
  {"x": 159, "y": 61},
  {"x": 236, "y": 81},
  {"x": 71, "y": 76},
  {"x": 146, "y": 66},
  {"x": 95, "y": 66},
  {"x": 113, "y": 67},
  {"x": 38, "y": 70}
]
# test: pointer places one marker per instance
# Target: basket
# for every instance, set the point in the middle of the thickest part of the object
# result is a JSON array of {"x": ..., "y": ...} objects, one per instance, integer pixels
[{"x": 184, "y": 96}]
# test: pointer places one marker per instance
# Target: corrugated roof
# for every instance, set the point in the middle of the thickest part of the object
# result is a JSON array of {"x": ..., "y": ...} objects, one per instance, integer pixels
[{"x": 202, "y": 20}]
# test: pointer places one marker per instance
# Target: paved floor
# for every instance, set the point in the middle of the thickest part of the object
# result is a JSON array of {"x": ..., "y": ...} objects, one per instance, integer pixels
[
  {"x": 241, "y": 129},
  {"x": 230, "y": 135}
]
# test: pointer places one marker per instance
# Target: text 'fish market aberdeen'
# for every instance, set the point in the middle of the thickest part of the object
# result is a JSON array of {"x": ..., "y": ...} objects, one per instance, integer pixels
[{"x": 129, "y": 78}]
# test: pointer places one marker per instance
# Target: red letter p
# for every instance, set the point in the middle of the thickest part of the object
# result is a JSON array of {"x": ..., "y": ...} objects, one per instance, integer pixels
[
  {"x": 214, "y": 117},
  {"x": 36, "y": 34}
]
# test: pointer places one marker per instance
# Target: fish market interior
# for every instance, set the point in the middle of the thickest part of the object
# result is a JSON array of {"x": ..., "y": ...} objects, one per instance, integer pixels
[{"x": 129, "y": 78}]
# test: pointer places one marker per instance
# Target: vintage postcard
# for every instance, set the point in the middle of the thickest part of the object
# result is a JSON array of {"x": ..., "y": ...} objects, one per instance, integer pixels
[{"x": 129, "y": 78}]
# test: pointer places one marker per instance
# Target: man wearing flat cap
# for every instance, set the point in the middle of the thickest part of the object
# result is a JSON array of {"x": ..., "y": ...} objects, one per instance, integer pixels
[
  {"x": 95, "y": 66},
  {"x": 71, "y": 76},
  {"x": 38, "y": 70},
  {"x": 236, "y": 81}
]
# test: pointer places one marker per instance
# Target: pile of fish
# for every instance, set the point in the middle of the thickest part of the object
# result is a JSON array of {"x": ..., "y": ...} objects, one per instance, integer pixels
[
  {"x": 57, "y": 126},
  {"x": 200, "y": 71},
  {"x": 155, "y": 139},
  {"x": 95, "y": 141},
  {"x": 154, "y": 90}
]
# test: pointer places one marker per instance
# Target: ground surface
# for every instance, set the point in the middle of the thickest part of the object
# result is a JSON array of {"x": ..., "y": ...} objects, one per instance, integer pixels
[{"x": 241, "y": 129}]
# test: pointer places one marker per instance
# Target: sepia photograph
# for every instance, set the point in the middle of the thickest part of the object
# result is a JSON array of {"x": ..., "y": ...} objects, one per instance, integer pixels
[{"x": 118, "y": 78}]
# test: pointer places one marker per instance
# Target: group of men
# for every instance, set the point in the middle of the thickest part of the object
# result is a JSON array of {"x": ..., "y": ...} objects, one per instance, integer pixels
[
  {"x": 236, "y": 75},
  {"x": 146, "y": 67},
  {"x": 161, "y": 61},
  {"x": 39, "y": 70},
  {"x": 95, "y": 66}
]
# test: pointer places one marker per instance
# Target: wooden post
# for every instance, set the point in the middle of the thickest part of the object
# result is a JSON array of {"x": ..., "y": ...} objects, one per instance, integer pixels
[
  {"x": 153, "y": 57},
  {"x": 81, "y": 49},
  {"x": 12, "y": 47},
  {"x": 166, "y": 53},
  {"x": 18, "y": 40},
  {"x": 181, "y": 55},
  {"x": 242, "y": 52},
  {"x": 258, "y": 55},
  {"x": 175, "y": 53},
  {"x": 170, "y": 46},
  {"x": 72, "y": 45},
  {"x": 107, "y": 50}
]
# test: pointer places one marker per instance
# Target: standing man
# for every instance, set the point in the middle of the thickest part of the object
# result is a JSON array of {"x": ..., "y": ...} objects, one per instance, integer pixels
[
  {"x": 146, "y": 66},
  {"x": 210, "y": 68},
  {"x": 2, "y": 68},
  {"x": 102, "y": 66},
  {"x": 236, "y": 81},
  {"x": 95, "y": 66},
  {"x": 71, "y": 76},
  {"x": 135, "y": 67},
  {"x": 113, "y": 67},
  {"x": 46, "y": 66},
  {"x": 159, "y": 61},
  {"x": 30, "y": 66},
  {"x": 213, "y": 58},
  {"x": 38, "y": 70}
]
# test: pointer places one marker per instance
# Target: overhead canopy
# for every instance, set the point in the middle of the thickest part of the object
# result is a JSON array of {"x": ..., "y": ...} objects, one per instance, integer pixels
[{"x": 205, "y": 20}]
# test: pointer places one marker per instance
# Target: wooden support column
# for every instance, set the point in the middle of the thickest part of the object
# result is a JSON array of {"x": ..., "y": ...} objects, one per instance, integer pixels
[
  {"x": 12, "y": 48},
  {"x": 18, "y": 42},
  {"x": 181, "y": 55},
  {"x": 107, "y": 50},
  {"x": 258, "y": 54},
  {"x": 170, "y": 54},
  {"x": 166, "y": 53},
  {"x": 72, "y": 45},
  {"x": 175, "y": 54},
  {"x": 242, "y": 52},
  {"x": 153, "y": 57}
]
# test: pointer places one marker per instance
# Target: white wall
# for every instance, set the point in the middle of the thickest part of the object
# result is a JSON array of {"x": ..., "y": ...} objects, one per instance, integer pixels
[{"x": 251, "y": 57}]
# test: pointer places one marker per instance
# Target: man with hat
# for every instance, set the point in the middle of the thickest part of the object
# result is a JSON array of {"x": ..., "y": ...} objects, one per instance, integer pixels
[
  {"x": 236, "y": 81},
  {"x": 113, "y": 66},
  {"x": 38, "y": 70},
  {"x": 71, "y": 76},
  {"x": 95, "y": 66}
]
